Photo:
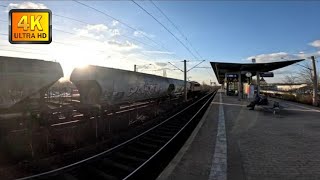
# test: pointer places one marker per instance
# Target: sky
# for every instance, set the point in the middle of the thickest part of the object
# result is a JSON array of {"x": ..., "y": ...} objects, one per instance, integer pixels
[{"x": 223, "y": 31}]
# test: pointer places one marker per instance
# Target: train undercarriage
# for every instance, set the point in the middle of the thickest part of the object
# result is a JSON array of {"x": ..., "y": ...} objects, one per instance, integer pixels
[{"x": 37, "y": 134}]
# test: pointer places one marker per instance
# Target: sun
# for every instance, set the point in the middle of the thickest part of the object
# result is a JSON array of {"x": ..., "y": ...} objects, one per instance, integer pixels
[
  {"x": 85, "y": 54},
  {"x": 82, "y": 65},
  {"x": 74, "y": 57}
]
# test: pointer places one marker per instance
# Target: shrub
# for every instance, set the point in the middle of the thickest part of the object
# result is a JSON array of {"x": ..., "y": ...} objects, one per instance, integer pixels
[
  {"x": 289, "y": 97},
  {"x": 305, "y": 99}
]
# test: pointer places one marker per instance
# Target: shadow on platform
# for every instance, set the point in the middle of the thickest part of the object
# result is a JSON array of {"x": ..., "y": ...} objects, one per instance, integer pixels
[{"x": 260, "y": 145}]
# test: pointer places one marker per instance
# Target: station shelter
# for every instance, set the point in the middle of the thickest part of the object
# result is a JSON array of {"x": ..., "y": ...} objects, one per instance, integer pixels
[{"x": 236, "y": 78}]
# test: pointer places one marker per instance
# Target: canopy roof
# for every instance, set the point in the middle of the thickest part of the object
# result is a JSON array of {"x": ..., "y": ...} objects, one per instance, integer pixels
[{"x": 220, "y": 68}]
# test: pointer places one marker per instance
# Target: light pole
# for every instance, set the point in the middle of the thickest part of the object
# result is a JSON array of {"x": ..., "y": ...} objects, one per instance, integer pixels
[
  {"x": 185, "y": 75},
  {"x": 185, "y": 80},
  {"x": 135, "y": 68},
  {"x": 315, "y": 82}
]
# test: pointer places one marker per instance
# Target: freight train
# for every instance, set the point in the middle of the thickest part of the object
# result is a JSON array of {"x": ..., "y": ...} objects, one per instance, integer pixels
[
  {"x": 26, "y": 81},
  {"x": 109, "y": 87},
  {"x": 111, "y": 100},
  {"x": 22, "y": 78}
]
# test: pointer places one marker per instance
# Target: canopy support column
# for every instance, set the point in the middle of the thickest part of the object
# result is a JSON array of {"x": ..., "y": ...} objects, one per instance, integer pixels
[
  {"x": 258, "y": 83},
  {"x": 239, "y": 86},
  {"x": 226, "y": 83}
]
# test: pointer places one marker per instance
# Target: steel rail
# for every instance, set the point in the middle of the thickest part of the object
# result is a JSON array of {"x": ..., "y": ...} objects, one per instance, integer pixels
[
  {"x": 165, "y": 145},
  {"x": 81, "y": 162}
]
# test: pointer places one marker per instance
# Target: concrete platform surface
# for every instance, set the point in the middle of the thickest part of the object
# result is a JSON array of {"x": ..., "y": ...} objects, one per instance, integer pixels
[
  {"x": 195, "y": 158},
  {"x": 259, "y": 144}
]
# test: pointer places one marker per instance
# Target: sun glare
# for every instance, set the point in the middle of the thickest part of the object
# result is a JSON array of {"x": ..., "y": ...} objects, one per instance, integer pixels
[
  {"x": 64, "y": 79},
  {"x": 82, "y": 66},
  {"x": 71, "y": 58}
]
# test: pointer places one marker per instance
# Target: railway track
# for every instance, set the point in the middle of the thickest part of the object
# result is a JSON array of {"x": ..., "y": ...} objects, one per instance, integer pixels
[{"x": 143, "y": 156}]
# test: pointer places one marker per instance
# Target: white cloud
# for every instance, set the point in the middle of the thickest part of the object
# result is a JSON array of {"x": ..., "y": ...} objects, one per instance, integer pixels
[
  {"x": 117, "y": 43},
  {"x": 127, "y": 45},
  {"x": 159, "y": 52},
  {"x": 307, "y": 55},
  {"x": 282, "y": 56},
  {"x": 142, "y": 34},
  {"x": 95, "y": 53},
  {"x": 96, "y": 31},
  {"x": 114, "y": 32},
  {"x": 97, "y": 28},
  {"x": 27, "y": 5},
  {"x": 114, "y": 23},
  {"x": 262, "y": 58},
  {"x": 161, "y": 64},
  {"x": 107, "y": 50},
  {"x": 315, "y": 43}
]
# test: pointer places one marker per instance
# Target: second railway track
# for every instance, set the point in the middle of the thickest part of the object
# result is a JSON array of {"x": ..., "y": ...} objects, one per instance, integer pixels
[{"x": 143, "y": 156}]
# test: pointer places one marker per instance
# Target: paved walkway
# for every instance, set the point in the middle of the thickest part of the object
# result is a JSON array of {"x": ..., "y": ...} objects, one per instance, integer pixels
[
  {"x": 194, "y": 160},
  {"x": 259, "y": 145}
]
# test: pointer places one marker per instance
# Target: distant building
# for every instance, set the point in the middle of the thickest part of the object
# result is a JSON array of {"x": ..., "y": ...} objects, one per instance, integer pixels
[
  {"x": 290, "y": 87},
  {"x": 284, "y": 86}
]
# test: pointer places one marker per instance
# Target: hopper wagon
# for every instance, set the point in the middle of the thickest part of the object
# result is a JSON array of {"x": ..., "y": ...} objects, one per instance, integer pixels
[
  {"x": 21, "y": 78},
  {"x": 108, "y": 86}
]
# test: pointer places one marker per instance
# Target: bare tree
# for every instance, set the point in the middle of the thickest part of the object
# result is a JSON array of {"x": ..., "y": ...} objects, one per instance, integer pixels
[
  {"x": 305, "y": 73},
  {"x": 290, "y": 79}
]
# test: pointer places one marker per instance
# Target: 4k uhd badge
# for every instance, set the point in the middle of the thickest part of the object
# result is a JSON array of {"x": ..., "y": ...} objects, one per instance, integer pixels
[{"x": 30, "y": 26}]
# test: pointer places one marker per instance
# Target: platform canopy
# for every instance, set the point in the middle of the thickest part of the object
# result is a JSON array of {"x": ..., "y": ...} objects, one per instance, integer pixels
[{"x": 221, "y": 68}]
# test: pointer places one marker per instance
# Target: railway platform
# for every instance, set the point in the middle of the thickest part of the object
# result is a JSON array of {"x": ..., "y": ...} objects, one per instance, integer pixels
[{"x": 234, "y": 143}]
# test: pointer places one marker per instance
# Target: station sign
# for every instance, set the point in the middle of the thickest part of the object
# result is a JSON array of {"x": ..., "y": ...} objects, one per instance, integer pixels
[
  {"x": 232, "y": 75},
  {"x": 266, "y": 74}
]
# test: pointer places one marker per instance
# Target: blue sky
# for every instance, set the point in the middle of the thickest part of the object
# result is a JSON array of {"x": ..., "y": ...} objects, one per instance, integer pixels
[{"x": 219, "y": 30}]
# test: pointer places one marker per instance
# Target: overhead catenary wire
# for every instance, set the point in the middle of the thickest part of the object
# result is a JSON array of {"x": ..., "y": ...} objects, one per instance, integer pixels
[
  {"x": 196, "y": 65},
  {"x": 68, "y": 44},
  {"x": 127, "y": 25},
  {"x": 87, "y": 23},
  {"x": 176, "y": 27},
  {"x": 133, "y": 39},
  {"x": 75, "y": 45},
  {"x": 208, "y": 72},
  {"x": 13, "y": 46},
  {"x": 175, "y": 66},
  {"x": 127, "y": 37},
  {"x": 121, "y": 22},
  {"x": 22, "y": 51},
  {"x": 67, "y": 32},
  {"x": 166, "y": 29},
  {"x": 70, "y": 18},
  {"x": 91, "y": 38}
]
